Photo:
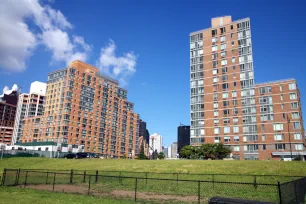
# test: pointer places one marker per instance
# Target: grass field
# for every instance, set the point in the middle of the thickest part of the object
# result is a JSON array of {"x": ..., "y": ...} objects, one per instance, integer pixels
[
  {"x": 187, "y": 166},
  {"x": 29, "y": 196},
  {"x": 173, "y": 189}
]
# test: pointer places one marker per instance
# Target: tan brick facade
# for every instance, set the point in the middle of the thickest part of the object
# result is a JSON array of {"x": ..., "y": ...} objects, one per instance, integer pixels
[
  {"x": 83, "y": 107},
  {"x": 227, "y": 106}
]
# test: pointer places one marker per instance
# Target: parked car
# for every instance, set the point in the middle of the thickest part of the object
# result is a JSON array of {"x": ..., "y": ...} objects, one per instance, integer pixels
[
  {"x": 83, "y": 155},
  {"x": 70, "y": 156}
]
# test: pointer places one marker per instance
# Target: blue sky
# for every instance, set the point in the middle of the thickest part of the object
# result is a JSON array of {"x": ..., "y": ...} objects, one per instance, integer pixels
[{"x": 156, "y": 35}]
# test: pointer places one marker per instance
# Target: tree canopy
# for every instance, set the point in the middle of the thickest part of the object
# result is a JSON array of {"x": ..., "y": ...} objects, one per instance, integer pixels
[{"x": 206, "y": 151}]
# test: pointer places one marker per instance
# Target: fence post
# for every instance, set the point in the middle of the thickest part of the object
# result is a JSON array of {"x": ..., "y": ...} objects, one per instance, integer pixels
[
  {"x": 25, "y": 180},
  {"x": 146, "y": 178},
  {"x": 136, "y": 190},
  {"x": 213, "y": 180},
  {"x": 120, "y": 177},
  {"x": 199, "y": 192},
  {"x": 53, "y": 182},
  {"x": 279, "y": 192},
  {"x": 89, "y": 184},
  {"x": 255, "y": 182},
  {"x": 71, "y": 176},
  {"x": 84, "y": 177},
  {"x": 3, "y": 176},
  {"x": 97, "y": 174},
  {"x": 47, "y": 177},
  {"x": 295, "y": 191},
  {"x": 17, "y": 177}
]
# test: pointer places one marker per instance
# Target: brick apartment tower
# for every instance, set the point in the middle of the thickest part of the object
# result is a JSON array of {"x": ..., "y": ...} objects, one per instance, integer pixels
[
  {"x": 227, "y": 106},
  {"x": 86, "y": 109}
]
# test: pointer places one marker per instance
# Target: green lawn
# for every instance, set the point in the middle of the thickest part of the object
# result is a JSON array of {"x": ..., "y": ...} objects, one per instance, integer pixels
[
  {"x": 187, "y": 166},
  {"x": 159, "y": 188},
  {"x": 11, "y": 195}
]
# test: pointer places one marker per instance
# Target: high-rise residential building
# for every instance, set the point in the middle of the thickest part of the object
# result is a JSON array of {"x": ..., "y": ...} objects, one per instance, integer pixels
[
  {"x": 262, "y": 121},
  {"x": 29, "y": 105},
  {"x": 155, "y": 143},
  {"x": 8, "y": 102},
  {"x": 183, "y": 137},
  {"x": 84, "y": 108}
]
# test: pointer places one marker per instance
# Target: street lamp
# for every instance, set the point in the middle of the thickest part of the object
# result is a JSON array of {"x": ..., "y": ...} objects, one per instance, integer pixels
[{"x": 288, "y": 122}]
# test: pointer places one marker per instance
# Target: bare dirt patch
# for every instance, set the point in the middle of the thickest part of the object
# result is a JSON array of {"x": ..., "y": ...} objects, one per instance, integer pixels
[{"x": 115, "y": 193}]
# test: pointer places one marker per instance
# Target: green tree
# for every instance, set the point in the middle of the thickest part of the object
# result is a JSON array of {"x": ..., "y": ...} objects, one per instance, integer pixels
[
  {"x": 214, "y": 151},
  {"x": 161, "y": 155},
  {"x": 142, "y": 156},
  {"x": 188, "y": 152}
]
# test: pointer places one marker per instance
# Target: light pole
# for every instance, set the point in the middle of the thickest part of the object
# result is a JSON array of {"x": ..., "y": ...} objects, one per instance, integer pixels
[{"x": 288, "y": 122}]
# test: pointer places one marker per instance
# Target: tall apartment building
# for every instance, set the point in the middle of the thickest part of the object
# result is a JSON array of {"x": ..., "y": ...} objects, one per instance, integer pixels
[
  {"x": 8, "y": 102},
  {"x": 156, "y": 143},
  {"x": 84, "y": 108},
  {"x": 262, "y": 121},
  {"x": 29, "y": 105}
]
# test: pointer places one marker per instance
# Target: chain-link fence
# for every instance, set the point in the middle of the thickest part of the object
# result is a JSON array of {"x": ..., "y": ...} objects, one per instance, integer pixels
[{"x": 145, "y": 188}]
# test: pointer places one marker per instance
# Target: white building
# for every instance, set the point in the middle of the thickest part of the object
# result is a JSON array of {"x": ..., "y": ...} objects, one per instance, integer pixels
[
  {"x": 156, "y": 143},
  {"x": 29, "y": 105}
]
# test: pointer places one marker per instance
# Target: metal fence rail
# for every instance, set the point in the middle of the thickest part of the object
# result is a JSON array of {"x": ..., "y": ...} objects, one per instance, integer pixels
[
  {"x": 254, "y": 178},
  {"x": 148, "y": 189}
]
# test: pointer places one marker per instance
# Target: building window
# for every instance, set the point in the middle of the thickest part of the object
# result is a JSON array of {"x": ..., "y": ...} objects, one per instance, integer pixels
[
  {"x": 225, "y": 103},
  {"x": 225, "y": 86},
  {"x": 236, "y": 129},
  {"x": 280, "y": 146},
  {"x": 216, "y": 105},
  {"x": 217, "y": 139},
  {"x": 224, "y": 77},
  {"x": 294, "y": 105},
  {"x": 282, "y": 106},
  {"x": 216, "y": 113},
  {"x": 235, "y": 111},
  {"x": 236, "y": 138},
  {"x": 224, "y": 95},
  {"x": 223, "y": 62},
  {"x": 235, "y": 120},
  {"x": 215, "y": 71},
  {"x": 234, "y": 84},
  {"x": 216, "y": 130},
  {"x": 281, "y": 97},
  {"x": 214, "y": 32},
  {"x": 223, "y": 46},
  {"x": 297, "y": 136},
  {"x": 215, "y": 79},
  {"x": 223, "y": 54},
  {"x": 225, "y": 112},
  {"x": 216, "y": 121},
  {"x": 234, "y": 76},
  {"x": 292, "y": 86},
  {"x": 215, "y": 96},
  {"x": 263, "y": 137},
  {"x": 235, "y": 102},
  {"x": 296, "y": 125},
  {"x": 295, "y": 115},
  {"x": 227, "y": 139},
  {"x": 222, "y": 38},
  {"x": 278, "y": 137},
  {"x": 281, "y": 88},
  {"x": 214, "y": 48},
  {"x": 266, "y": 89},
  {"x": 224, "y": 70},
  {"x": 293, "y": 96},
  {"x": 299, "y": 147},
  {"x": 264, "y": 147},
  {"x": 278, "y": 126},
  {"x": 227, "y": 130}
]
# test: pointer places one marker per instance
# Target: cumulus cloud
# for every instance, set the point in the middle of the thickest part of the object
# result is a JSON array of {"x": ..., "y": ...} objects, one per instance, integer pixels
[
  {"x": 121, "y": 68},
  {"x": 18, "y": 41}
]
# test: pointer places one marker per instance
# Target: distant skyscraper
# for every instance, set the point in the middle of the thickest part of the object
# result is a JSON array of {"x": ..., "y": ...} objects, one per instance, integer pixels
[
  {"x": 174, "y": 150},
  {"x": 156, "y": 142},
  {"x": 227, "y": 106},
  {"x": 183, "y": 137},
  {"x": 29, "y": 105}
]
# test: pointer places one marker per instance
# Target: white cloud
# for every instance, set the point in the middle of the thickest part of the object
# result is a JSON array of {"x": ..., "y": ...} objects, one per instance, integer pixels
[
  {"x": 18, "y": 41},
  {"x": 121, "y": 68}
]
